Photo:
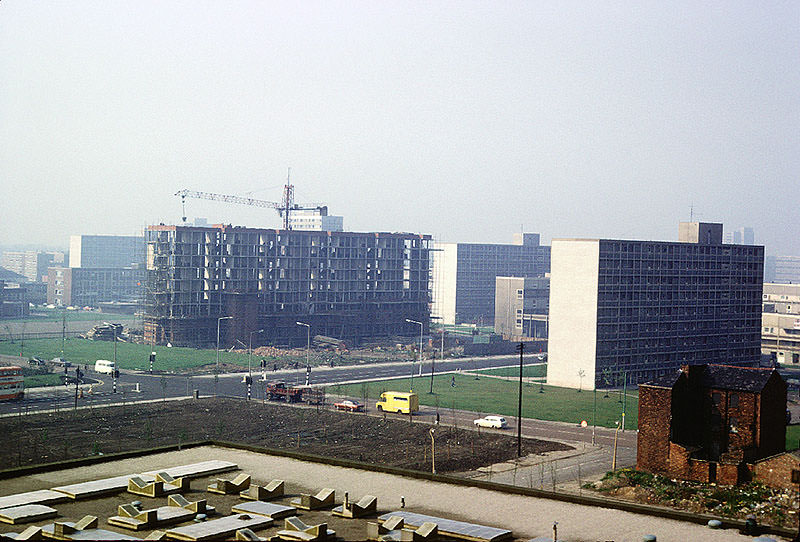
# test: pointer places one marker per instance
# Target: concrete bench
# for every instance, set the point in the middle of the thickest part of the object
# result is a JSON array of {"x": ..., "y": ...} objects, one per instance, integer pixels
[{"x": 323, "y": 499}]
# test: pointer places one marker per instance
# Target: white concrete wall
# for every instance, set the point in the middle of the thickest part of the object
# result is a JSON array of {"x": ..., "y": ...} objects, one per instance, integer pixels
[
  {"x": 75, "y": 250},
  {"x": 443, "y": 291},
  {"x": 574, "y": 266}
]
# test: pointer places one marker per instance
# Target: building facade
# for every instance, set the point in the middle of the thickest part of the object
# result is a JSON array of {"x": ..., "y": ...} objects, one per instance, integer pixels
[
  {"x": 88, "y": 287},
  {"x": 782, "y": 269},
  {"x": 315, "y": 220},
  {"x": 521, "y": 307},
  {"x": 740, "y": 236},
  {"x": 711, "y": 423},
  {"x": 464, "y": 275},
  {"x": 346, "y": 285},
  {"x": 780, "y": 321},
  {"x": 32, "y": 264},
  {"x": 636, "y": 310},
  {"x": 13, "y": 301},
  {"x": 106, "y": 251}
]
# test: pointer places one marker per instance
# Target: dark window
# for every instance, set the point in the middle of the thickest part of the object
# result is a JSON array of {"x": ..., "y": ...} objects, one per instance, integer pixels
[
  {"x": 795, "y": 476},
  {"x": 734, "y": 400},
  {"x": 715, "y": 397}
]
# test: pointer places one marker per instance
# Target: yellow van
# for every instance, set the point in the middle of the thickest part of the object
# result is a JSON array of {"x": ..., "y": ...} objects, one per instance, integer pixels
[{"x": 398, "y": 401}]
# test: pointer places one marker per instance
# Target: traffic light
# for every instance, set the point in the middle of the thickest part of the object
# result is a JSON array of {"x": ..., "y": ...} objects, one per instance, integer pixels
[{"x": 116, "y": 373}]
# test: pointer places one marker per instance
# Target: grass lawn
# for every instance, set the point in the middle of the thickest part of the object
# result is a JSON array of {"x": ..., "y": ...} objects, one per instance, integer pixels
[
  {"x": 495, "y": 396},
  {"x": 52, "y": 315},
  {"x": 792, "y": 437},
  {"x": 528, "y": 371},
  {"x": 129, "y": 355},
  {"x": 39, "y": 381}
]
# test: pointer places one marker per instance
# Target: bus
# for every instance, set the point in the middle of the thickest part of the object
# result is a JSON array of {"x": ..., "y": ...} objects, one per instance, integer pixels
[{"x": 11, "y": 383}]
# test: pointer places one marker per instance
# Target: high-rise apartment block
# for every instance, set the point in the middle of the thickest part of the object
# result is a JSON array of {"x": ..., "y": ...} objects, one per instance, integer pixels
[
  {"x": 740, "y": 236},
  {"x": 106, "y": 251},
  {"x": 32, "y": 264},
  {"x": 315, "y": 220},
  {"x": 782, "y": 269},
  {"x": 780, "y": 321},
  {"x": 637, "y": 310},
  {"x": 464, "y": 275},
  {"x": 239, "y": 280}
]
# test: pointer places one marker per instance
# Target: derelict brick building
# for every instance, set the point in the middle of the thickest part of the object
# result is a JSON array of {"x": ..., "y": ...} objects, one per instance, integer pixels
[
  {"x": 711, "y": 423},
  {"x": 346, "y": 285}
]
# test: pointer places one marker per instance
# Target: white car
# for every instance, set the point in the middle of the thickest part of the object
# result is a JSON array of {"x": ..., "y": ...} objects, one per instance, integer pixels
[{"x": 498, "y": 422}]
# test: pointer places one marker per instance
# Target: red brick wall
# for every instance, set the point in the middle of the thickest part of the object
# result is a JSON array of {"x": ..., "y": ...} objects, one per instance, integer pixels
[
  {"x": 654, "y": 419},
  {"x": 776, "y": 471},
  {"x": 728, "y": 474}
]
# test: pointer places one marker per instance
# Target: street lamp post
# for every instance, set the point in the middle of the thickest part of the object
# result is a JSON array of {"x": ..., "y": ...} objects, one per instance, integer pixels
[
  {"x": 308, "y": 349},
  {"x": 219, "y": 320},
  {"x": 420, "y": 351},
  {"x": 250, "y": 350}
]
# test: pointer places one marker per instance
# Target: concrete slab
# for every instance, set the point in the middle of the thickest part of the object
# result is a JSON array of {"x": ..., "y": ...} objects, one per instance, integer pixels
[
  {"x": 86, "y": 534},
  {"x": 197, "y": 470},
  {"x": 26, "y": 513},
  {"x": 455, "y": 529},
  {"x": 42, "y": 496},
  {"x": 219, "y": 529},
  {"x": 165, "y": 515},
  {"x": 262, "y": 508},
  {"x": 95, "y": 488}
]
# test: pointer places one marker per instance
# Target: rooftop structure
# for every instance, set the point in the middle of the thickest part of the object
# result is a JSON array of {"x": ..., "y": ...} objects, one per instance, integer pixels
[
  {"x": 464, "y": 275},
  {"x": 635, "y": 310},
  {"x": 241, "y": 280},
  {"x": 316, "y": 219}
]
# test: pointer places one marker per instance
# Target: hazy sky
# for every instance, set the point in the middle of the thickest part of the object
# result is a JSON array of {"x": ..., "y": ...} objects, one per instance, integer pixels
[{"x": 465, "y": 120}]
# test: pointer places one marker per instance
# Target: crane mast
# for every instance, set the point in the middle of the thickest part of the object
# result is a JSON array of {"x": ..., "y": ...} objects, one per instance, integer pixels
[{"x": 284, "y": 208}]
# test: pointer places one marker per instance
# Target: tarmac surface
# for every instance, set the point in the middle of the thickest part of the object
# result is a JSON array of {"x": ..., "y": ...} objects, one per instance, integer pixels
[{"x": 527, "y": 517}]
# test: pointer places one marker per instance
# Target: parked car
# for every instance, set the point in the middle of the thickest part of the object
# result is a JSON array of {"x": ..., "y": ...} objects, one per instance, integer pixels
[
  {"x": 348, "y": 405},
  {"x": 497, "y": 422}
]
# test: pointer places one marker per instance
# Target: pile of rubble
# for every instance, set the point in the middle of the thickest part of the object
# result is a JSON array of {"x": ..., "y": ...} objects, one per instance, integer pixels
[{"x": 105, "y": 332}]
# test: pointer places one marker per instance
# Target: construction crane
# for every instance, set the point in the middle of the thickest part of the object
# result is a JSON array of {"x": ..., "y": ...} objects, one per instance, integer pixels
[{"x": 284, "y": 208}]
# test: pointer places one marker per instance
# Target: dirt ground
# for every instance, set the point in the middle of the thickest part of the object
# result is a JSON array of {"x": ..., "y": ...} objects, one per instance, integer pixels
[{"x": 392, "y": 441}]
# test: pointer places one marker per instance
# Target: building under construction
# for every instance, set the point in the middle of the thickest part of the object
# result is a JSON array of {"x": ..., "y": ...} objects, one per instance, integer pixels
[{"x": 241, "y": 281}]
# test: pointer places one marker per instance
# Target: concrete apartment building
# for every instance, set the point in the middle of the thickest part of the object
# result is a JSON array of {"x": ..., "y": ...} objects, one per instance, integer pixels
[
  {"x": 315, "y": 220},
  {"x": 642, "y": 309},
  {"x": 464, "y": 275},
  {"x": 711, "y": 423},
  {"x": 32, "y": 264},
  {"x": 347, "y": 285},
  {"x": 521, "y": 306},
  {"x": 782, "y": 269},
  {"x": 739, "y": 236},
  {"x": 13, "y": 301},
  {"x": 88, "y": 287},
  {"x": 780, "y": 321},
  {"x": 106, "y": 251}
]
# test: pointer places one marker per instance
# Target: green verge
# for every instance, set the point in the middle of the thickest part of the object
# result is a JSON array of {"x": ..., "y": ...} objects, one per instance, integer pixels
[
  {"x": 54, "y": 315},
  {"x": 497, "y": 396},
  {"x": 528, "y": 371},
  {"x": 129, "y": 355},
  {"x": 41, "y": 381},
  {"x": 792, "y": 437}
]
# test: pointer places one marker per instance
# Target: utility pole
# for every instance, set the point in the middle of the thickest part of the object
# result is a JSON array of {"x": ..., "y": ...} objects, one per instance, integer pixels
[
  {"x": 63, "y": 331},
  {"x": 521, "y": 348},
  {"x": 624, "y": 397}
]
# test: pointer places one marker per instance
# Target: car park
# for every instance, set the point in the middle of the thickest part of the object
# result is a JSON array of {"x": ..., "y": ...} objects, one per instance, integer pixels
[
  {"x": 348, "y": 405},
  {"x": 497, "y": 422}
]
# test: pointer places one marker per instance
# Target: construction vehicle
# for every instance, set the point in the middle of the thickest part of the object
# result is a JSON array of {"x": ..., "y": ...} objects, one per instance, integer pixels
[
  {"x": 286, "y": 206},
  {"x": 280, "y": 391}
]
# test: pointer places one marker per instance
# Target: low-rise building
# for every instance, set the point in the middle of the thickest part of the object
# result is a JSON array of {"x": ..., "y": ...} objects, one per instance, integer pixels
[
  {"x": 711, "y": 423},
  {"x": 13, "y": 301},
  {"x": 520, "y": 307},
  {"x": 80, "y": 287}
]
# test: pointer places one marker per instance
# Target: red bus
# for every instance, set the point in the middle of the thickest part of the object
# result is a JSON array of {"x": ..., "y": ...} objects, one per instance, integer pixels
[{"x": 11, "y": 383}]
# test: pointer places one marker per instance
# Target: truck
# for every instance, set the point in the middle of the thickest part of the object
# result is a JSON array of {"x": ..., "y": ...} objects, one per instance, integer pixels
[
  {"x": 398, "y": 401},
  {"x": 281, "y": 391}
]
